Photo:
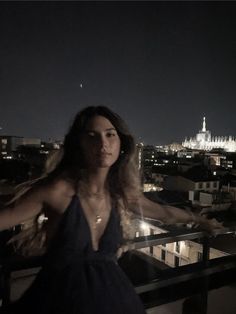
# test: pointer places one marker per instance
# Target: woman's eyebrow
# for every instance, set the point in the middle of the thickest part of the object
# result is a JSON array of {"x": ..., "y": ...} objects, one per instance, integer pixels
[
  {"x": 95, "y": 131},
  {"x": 111, "y": 129}
]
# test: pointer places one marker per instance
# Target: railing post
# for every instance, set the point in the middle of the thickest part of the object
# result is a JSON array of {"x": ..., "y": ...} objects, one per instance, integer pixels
[
  {"x": 197, "y": 304},
  {"x": 6, "y": 285},
  {"x": 205, "y": 260},
  {"x": 205, "y": 251}
]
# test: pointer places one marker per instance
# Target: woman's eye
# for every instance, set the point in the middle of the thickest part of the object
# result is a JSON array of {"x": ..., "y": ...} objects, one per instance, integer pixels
[
  {"x": 91, "y": 134},
  {"x": 111, "y": 134}
]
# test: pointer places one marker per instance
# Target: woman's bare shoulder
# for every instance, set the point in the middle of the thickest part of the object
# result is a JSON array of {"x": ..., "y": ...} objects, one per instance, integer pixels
[
  {"x": 58, "y": 194},
  {"x": 60, "y": 186},
  {"x": 55, "y": 195}
]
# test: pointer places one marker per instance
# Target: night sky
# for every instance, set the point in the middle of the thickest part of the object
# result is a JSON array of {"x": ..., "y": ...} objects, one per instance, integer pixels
[{"x": 160, "y": 65}]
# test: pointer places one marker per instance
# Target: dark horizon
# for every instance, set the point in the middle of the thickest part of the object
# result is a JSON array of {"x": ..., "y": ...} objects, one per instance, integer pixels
[{"x": 161, "y": 65}]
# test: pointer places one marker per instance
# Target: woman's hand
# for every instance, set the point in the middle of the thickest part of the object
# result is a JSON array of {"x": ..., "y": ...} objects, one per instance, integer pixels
[{"x": 208, "y": 225}]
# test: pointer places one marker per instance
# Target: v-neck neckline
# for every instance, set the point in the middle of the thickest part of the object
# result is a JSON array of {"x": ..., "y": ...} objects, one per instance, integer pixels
[{"x": 89, "y": 228}]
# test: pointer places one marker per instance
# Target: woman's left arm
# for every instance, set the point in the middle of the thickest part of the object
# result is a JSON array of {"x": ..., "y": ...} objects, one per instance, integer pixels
[{"x": 172, "y": 215}]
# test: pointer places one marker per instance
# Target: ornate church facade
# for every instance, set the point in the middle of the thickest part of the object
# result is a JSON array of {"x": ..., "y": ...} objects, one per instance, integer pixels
[{"x": 204, "y": 141}]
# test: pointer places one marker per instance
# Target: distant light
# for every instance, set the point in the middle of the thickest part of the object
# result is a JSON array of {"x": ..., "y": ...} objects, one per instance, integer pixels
[{"x": 214, "y": 173}]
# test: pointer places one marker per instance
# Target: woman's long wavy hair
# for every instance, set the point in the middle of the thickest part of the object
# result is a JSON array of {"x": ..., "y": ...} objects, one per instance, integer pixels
[{"x": 123, "y": 179}]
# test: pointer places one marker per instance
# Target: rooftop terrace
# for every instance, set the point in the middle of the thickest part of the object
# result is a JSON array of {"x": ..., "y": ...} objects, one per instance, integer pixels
[{"x": 193, "y": 288}]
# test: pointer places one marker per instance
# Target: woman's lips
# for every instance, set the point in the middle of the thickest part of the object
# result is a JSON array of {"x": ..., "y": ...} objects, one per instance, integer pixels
[{"x": 104, "y": 154}]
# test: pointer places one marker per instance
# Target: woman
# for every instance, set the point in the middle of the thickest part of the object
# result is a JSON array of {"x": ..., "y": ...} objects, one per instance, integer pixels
[{"x": 90, "y": 191}]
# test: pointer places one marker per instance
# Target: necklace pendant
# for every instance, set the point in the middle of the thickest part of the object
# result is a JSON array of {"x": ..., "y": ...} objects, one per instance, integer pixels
[{"x": 98, "y": 219}]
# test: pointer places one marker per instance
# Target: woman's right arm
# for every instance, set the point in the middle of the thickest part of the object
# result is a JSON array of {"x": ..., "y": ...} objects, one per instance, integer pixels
[
  {"x": 28, "y": 206},
  {"x": 56, "y": 195}
]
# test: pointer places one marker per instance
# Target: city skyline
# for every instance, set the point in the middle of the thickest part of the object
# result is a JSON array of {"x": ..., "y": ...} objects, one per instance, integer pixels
[
  {"x": 161, "y": 65},
  {"x": 187, "y": 137}
]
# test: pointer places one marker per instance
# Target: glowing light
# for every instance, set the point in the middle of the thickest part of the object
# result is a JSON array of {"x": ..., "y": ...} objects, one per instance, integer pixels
[{"x": 144, "y": 226}]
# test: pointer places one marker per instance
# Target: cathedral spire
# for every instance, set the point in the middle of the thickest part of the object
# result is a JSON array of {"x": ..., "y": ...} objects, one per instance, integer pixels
[{"x": 204, "y": 125}]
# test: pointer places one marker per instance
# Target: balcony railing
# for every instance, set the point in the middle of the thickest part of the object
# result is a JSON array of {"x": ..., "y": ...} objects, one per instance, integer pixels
[{"x": 187, "y": 281}]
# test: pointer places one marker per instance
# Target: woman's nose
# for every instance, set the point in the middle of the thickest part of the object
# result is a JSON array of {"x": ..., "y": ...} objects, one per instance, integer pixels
[{"x": 102, "y": 142}]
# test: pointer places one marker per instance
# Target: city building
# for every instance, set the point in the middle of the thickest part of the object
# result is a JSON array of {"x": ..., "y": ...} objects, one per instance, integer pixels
[
  {"x": 191, "y": 183},
  {"x": 230, "y": 186},
  {"x": 205, "y": 141},
  {"x": 9, "y": 144},
  {"x": 14, "y": 146},
  {"x": 151, "y": 158},
  {"x": 201, "y": 191}
]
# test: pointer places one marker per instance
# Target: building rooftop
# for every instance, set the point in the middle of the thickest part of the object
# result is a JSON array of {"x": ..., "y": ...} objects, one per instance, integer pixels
[{"x": 199, "y": 177}]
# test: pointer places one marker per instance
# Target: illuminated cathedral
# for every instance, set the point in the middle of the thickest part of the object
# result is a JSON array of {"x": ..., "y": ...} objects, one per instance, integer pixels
[{"x": 204, "y": 141}]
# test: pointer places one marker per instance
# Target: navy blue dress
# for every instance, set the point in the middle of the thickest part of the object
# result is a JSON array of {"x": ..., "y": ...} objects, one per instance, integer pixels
[{"x": 75, "y": 279}]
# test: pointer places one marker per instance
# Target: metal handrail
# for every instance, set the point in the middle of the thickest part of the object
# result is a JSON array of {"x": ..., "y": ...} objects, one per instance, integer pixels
[
  {"x": 9, "y": 265},
  {"x": 175, "y": 236}
]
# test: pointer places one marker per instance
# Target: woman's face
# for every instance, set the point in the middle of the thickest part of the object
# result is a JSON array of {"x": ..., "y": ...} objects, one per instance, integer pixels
[{"x": 100, "y": 143}]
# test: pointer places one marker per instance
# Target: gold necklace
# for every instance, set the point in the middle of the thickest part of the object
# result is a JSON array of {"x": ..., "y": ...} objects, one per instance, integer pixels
[
  {"x": 98, "y": 214},
  {"x": 96, "y": 211},
  {"x": 98, "y": 196},
  {"x": 98, "y": 219}
]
